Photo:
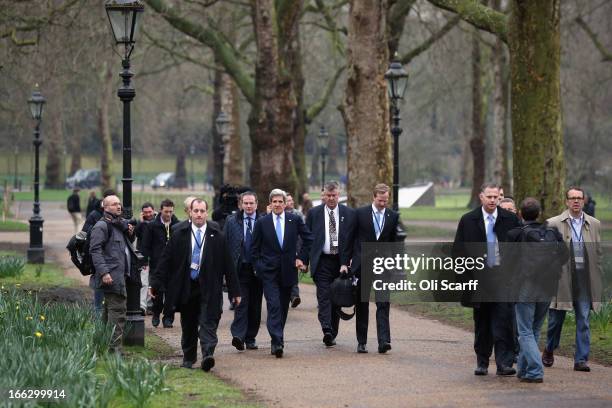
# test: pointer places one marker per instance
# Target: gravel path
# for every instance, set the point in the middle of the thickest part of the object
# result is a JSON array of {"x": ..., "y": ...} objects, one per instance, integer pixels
[{"x": 431, "y": 364}]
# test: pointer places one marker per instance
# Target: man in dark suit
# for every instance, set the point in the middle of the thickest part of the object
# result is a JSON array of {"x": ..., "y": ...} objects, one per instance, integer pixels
[
  {"x": 191, "y": 271},
  {"x": 488, "y": 224},
  {"x": 273, "y": 253},
  {"x": 375, "y": 223},
  {"x": 238, "y": 231},
  {"x": 333, "y": 231}
]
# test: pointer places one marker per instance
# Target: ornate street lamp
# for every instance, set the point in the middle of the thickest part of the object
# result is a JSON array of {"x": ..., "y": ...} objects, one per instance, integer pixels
[
  {"x": 397, "y": 81},
  {"x": 222, "y": 124},
  {"x": 124, "y": 17},
  {"x": 36, "y": 252},
  {"x": 323, "y": 140}
]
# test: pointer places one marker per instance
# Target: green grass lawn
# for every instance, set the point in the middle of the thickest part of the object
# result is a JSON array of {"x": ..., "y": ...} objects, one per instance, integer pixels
[
  {"x": 458, "y": 316},
  {"x": 186, "y": 388},
  {"x": 13, "y": 226},
  {"x": 36, "y": 276},
  {"x": 416, "y": 231}
]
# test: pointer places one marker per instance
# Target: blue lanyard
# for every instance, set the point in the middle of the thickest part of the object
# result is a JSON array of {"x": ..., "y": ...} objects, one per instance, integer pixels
[
  {"x": 574, "y": 230},
  {"x": 380, "y": 227},
  {"x": 198, "y": 244}
]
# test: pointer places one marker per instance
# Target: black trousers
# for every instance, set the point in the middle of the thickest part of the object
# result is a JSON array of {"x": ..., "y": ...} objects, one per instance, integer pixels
[
  {"x": 383, "y": 330},
  {"x": 328, "y": 269},
  {"x": 277, "y": 303},
  {"x": 160, "y": 305},
  {"x": 196, "y": 323},
  {"x": 493, "y": 331},
  {"x": 247, "y": 316}
]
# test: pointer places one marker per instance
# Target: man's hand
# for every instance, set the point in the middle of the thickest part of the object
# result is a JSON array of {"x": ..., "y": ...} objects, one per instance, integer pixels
[
  {"x": 107, "y": 279},
  {"x": 152, "y": 293},
  {"x": 344, "y": 269},
  {"x": 300, "y": 265},
  {"x": 236, "y": 300}
]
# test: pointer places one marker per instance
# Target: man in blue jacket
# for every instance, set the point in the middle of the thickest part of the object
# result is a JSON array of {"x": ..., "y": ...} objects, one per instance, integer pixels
[{"x": 273, "y": 253}]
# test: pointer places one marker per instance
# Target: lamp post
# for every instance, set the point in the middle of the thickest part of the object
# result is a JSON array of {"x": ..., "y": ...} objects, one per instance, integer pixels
[
  {"x": 397, "y": 81},
  {"x": 222, "y": 125},
  {"x": 124, "y": 17},
  {"x": 323, "y": 140},
  {"x": 192, "y": 153},
  {"x": 16, "y": 171},
  {"x": 36, "y": 252}
]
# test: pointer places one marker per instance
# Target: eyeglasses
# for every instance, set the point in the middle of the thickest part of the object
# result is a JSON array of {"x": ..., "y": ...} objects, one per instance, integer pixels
[{"x": 575, "y": 198}]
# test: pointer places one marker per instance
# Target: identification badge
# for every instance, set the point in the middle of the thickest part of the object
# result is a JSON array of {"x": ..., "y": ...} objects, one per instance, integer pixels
[
  {"x": 334, "y": 243},
  {"x": 579, "y": 259},
  {"x": 195, "y": 266}
]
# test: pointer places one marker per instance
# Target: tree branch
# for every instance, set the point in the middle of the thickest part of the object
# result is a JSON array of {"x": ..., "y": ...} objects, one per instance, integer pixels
[
  {"x": 478, "y": 15},
  {"x": 313, "y": 110},
  {"x": 606, "y": 55},
  {"x": 409, "y": 56},
  {"x": 227, "y": 56}
]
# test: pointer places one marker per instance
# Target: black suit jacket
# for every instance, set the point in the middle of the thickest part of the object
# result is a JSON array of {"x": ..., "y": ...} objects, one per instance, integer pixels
[
  {"x": 315, "y": 221},
  {"x": 471, "y": 239},
  {"x": 270, "y": 260},
  {"x": 173, "y": 273},
  {"x": 154, "y": 239},
  {"x": 365, "y": 232}
]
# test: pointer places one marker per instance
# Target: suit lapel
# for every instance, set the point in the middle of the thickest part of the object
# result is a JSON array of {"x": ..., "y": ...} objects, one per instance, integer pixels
[
  {"x": 480, "y": 223},
  {"x": 289, "y": 225}
]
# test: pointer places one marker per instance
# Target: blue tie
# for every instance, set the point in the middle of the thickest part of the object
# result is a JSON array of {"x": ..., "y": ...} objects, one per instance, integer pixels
[
  {"x": 377, "y": 227},
  {"x": 490, "y": 241},
  {"x": 195, "y": 254},
  {"x": 248, "y": 239},
  {"x": 279, "y": 231}
]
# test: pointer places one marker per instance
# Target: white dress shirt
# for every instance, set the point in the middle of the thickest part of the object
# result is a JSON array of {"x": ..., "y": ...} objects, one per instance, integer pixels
[
  {"x": 282, "y": 221},
  {"x": 377, "y": 223},
  {"x": 327, "y": 244},
  {"x": 194, "y": 231}
]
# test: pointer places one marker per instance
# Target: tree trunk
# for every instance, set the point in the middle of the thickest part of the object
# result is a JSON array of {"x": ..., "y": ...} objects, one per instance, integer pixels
[
  {"x": 75, "y": 144},
  {"x": 477, "y": 142},
  {"x": 315, "y": 170},
  {"x": 216, "y": 146},
  {"x": 54, "y": 141},
  {"x": 271, "y": 118},
  {"x": 366, "y": 107},
  {"x": 539, "y": 170},
  {"x": 106, "y": 152},
  {"x": 180, "y": 172},
  {"x": 233, "y": 169}
]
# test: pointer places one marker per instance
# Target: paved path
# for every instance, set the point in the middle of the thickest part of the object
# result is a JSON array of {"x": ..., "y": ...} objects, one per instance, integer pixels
[{"x": 431, "y": 364}]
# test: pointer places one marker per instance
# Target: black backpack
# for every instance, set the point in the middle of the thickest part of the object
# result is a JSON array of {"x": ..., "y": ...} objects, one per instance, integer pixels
[
  {"x": 78, "y": 247},
  {"x": 552, "y": 254}
]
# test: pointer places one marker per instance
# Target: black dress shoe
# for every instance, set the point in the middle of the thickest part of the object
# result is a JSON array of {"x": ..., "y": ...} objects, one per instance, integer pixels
[
  {"x": 481, "y": 370},
  {"x": 167, "y": 323},
  {"x": 384, "y": 347},
  {"x": 208, "y": 363},
  {"x": 239, "y": 344},
  {"x": 277, "y": 351},
  {"x": 505, "y": 371},
  {"x": 252, "y": 346},
  {"x": 187, "y": 364},
  {"x": 328, "y": 339},
  {"x": 295, "y": 302},
  {"x": 361, "y": 348},
  {"x": 582, "y": 366},
  {"x": 531, "y": 380},
  {"x": 548, "y": 358},
  {"x": 155, "y": 320}
]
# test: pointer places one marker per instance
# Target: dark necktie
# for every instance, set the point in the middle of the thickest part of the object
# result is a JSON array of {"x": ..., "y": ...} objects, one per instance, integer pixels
[
  {"x": 248, "y": 239},
  {"x": 333, "y": 235}
]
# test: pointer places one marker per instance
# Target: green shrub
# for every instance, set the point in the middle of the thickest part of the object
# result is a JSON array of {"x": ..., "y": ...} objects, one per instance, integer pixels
[{"x": 11, "y": 266}]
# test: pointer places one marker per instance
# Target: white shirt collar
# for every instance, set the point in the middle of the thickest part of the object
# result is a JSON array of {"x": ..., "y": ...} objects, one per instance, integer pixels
[
  {"x": 485, "y": 214},
  {"x": 375, "y": 210},
  {"x": 195, "y": 229},
  {"x": 281, "y": 215}
]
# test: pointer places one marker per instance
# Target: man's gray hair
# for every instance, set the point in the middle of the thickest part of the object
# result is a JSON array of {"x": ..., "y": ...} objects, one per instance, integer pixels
[
  {"x": 331, "y": 185},
  {"x": 278, "y": 192},
  {"x": 489, "y": 185}
]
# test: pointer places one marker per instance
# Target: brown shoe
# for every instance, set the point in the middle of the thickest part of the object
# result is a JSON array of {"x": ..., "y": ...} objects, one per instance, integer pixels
[{"x": 548, "y": 358}]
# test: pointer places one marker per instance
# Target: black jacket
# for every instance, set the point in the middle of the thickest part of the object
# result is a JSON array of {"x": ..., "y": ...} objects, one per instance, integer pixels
[
  {"x": 315, "y": 221},
  {"x": 471, "y": 241},
  {"x": 233, "y": 230},
  {"x": 172, "y": 274},
  {"x": 154, "y": 239},
  {"x": 74, "y": 203}
]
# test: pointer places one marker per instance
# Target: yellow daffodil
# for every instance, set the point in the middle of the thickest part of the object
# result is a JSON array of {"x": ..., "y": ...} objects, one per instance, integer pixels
[
  {"x": 38, "y": 334},
  {"x": 42, "y": 318},
  {"x": 17, "y": 307},
  {"x": 18, "y": 285},
  {"x": 28, "y": 317}
]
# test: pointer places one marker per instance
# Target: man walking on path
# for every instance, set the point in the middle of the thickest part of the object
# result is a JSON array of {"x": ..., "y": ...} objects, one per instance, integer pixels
[
  {"x": 540, "y": 254},
  {"x": 155, "y": 238},
  {"x": 375, "y": 223},
  {"x": 333, "y": 230},
  {"x": 112, "y": 257},
  {"x": 274, "y": 257},
  {"x": 580, "y": 287},
  {"x": 190, "y": 272},
  {"x": 238, "y": 232},
  {"x": 74, "y": 208},
  {"x": 488, "y": 224}
]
